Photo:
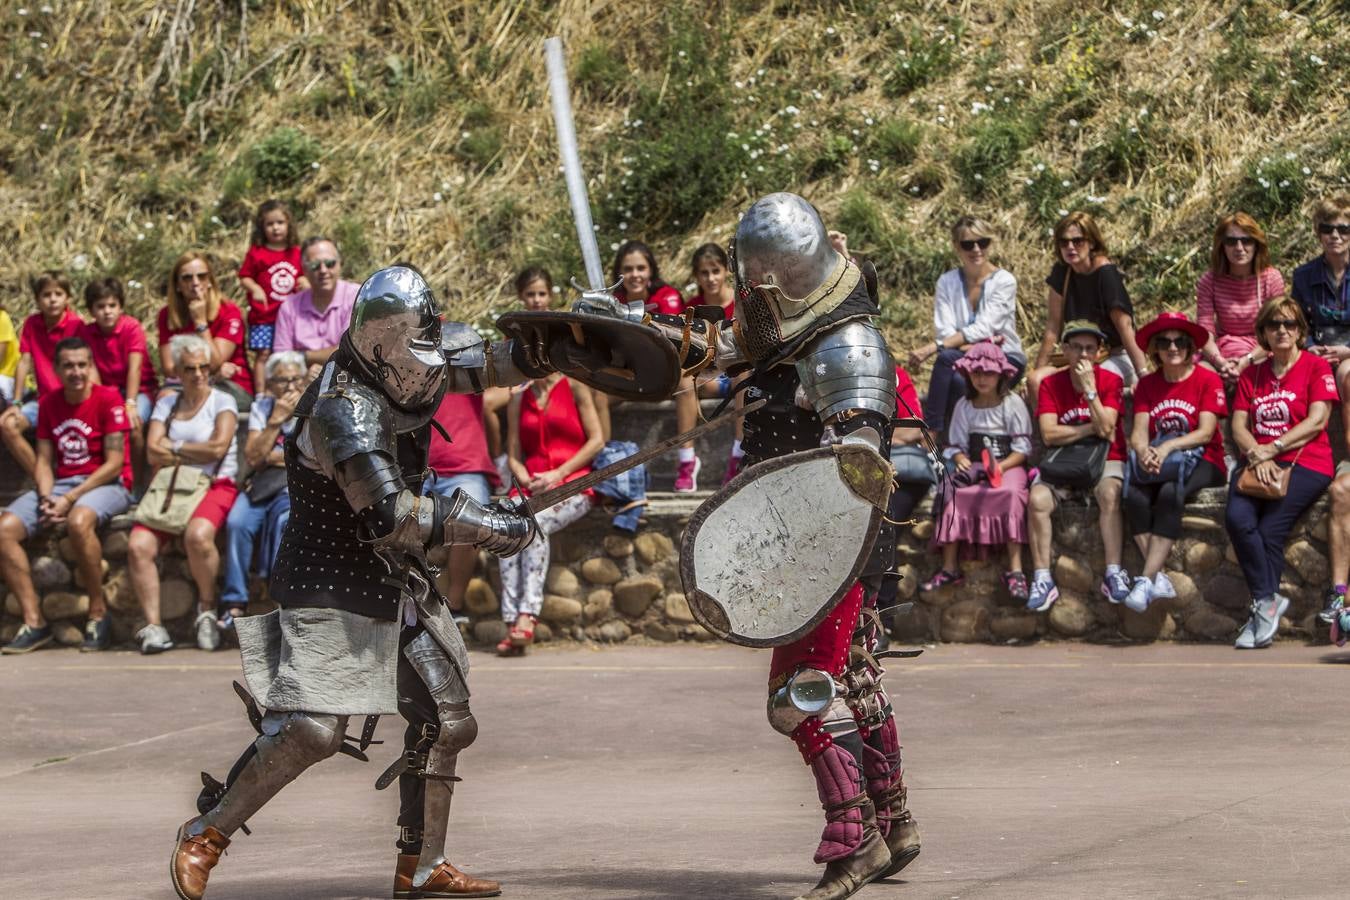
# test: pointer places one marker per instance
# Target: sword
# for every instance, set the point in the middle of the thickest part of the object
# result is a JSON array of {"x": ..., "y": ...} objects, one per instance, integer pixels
[{"x": 552, "y": 497}]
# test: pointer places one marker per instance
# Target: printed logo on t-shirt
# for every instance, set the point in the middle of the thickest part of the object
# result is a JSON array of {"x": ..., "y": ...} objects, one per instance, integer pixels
[
  {"x": 1080, "y": 415},
  {"x": 1329, "y": 383},
  {"x": 1271, "y": 415},
  {"x": 119, "y": 417},
  {"x": 71, "y": 439},
  {"x": 1172, "y": 416},
  {"x": 282, "y": 278},
  {"x": 234, "y": 329}
]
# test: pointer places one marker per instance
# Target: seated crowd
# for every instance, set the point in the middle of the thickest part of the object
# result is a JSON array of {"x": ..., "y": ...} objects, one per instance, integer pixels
[{"x": 1126, "y": 413}]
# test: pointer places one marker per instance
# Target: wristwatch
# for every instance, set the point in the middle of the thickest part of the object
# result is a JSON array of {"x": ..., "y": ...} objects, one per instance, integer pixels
[
  {"x": 201, "y": 329},
  {"x": 177, "y": 447},
  {"x": 1090, "y": 395},
  {"x": 1278, "y": 444}
]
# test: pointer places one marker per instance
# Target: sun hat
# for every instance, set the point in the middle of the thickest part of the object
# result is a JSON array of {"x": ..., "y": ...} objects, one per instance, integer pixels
[
  {"x": 1172, "y": 321},
  {"x": 985, "y": 356},
  {"x": 1082, "y": 326}
]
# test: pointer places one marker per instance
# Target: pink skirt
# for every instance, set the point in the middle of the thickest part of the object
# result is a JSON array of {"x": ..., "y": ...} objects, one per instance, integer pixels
[{"x": 985, "y": 519}]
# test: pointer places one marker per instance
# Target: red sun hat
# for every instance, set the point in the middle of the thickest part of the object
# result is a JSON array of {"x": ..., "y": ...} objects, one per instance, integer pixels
[{"x": 1172, "y": 321}]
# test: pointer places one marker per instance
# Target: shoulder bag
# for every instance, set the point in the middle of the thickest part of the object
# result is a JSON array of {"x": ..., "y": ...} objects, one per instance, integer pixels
[
  {"x": 1249, "y": 485},
  {"x": 173, "y": 494},
  {"x": 1077, "y": 465}
]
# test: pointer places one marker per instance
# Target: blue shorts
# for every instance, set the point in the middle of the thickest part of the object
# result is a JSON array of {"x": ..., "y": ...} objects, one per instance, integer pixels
[
  {"x": 260, "y": 336},
  {"x": 475, "y": 484},
  {"x": 29, "y": 411},
  {"x": 106, "y": 501}
]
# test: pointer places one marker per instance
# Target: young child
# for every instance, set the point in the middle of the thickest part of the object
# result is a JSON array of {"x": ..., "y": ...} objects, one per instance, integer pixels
[
  {"x": 122, "y": 359},
  {"x": 989, "y": 441},
  {"x": 41, "y": 332},
  {"x": 9, "y": 358},
  {"x": 270, "y": 273}
]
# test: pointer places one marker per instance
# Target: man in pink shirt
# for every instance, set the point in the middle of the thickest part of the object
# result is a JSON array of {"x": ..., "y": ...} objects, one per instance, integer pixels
[{"x": 313, "y": 321}]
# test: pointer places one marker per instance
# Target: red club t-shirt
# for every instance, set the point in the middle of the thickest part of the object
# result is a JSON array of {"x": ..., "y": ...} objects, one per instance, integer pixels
[
  {"x": 77, "y": 432},
  {"x": 1176, "y": 406},
  {"x": 40, "y": 341},
  {"x": 228, "y": 325},
  {"x": 1275, "y": 405},
  {"x": 461, "y": 415},
  {"x": 276, "y": 272},
  {"x": 664, "y": 299},
  {"x": 1059, "y": 396},
  {"x": 112, "y": 354},
  {"x": 907, "y": 405}
]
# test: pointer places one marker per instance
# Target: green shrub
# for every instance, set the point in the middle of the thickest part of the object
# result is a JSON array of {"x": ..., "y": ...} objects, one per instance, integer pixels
[
  {"x": 1045, "y": 193},
  {"x": 832, "y": 156},
  {"x": 1124, "y": 150},
  {"x": 923, "y": 57},
  {"x": 284, "y": 157},
  {"x": 358, "y": 260},
  {"x": 996, "y": 141},
  {"x": 600, "y": 73},
  {"x": 897, "y": 141}
]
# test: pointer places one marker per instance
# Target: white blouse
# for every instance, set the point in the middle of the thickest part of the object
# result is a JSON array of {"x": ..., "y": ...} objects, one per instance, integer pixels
[
  {"x": 996, "y": 315},
  {"x": 199, "y": 429}
]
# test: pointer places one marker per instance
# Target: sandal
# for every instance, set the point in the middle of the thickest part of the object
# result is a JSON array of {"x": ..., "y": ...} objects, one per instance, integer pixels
[
  {"x": 521, "y": 637},
  {"x": 941, "y": 579},
  {"x": 1016, "y": 583},
  {"x": 506, "y": 648}
]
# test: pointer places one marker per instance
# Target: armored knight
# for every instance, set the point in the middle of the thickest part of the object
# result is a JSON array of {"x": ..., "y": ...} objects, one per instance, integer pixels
[{"x": 360, "y": 629}]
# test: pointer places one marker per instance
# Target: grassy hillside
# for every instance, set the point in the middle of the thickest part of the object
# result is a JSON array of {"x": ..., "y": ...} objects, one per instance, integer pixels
[{"x": 135, "y": 129}]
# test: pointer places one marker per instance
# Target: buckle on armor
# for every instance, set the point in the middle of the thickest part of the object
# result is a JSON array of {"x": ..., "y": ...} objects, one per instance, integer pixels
[{"x": 408, "y": 835}]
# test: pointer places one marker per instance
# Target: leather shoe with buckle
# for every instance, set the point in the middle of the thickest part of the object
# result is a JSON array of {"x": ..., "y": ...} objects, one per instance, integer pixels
[
  {"x": 445, "y": 881},
  {"x": 194, "y": 856}
]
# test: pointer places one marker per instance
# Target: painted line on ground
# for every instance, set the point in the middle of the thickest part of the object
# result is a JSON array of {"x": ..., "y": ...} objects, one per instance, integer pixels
[{"x": 41, "y": 766}]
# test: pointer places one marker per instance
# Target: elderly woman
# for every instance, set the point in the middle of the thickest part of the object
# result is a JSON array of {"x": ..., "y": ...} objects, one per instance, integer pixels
[
  {"x": 1177, "y": 408},
  {"x": 195, "y": 306},
  {"x": 1280, "y": 417},
  {"x": 1084, "y": 285},
  {"x": 264, "y": 505},
  {"x": 1227, "y": 297},
  {"x": 195, "y": 428},
  {"x": 976, "y": 301}
]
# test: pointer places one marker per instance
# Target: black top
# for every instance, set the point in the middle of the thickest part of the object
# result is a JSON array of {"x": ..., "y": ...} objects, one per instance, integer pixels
[{"x": 1092, "y": 297}]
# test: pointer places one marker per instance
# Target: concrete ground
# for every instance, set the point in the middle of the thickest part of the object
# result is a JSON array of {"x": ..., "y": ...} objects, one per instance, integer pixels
[{"x": 1056, "y": 770}]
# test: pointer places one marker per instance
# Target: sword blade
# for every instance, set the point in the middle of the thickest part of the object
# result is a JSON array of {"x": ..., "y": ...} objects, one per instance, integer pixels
[
  {"x": 552, "y": 497},
  {"x": 561, "y": 94}
]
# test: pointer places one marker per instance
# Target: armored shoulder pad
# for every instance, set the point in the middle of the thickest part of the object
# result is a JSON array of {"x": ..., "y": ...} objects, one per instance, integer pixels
[
  {"x": 463, "y": 347},
  {"x": 848, "y": 368},
  {"x": 348, "y": 420}
]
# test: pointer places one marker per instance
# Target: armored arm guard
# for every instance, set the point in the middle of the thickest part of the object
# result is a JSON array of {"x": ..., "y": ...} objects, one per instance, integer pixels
[
  {"x": 693, "y": 339},
  {"x": 848, "y": 376},
  {"x": 476, "y": 363}
]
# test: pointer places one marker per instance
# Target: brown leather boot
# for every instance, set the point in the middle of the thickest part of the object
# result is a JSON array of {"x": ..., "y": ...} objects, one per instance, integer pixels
[
  {"x": 843, "y": 877},
  {"x": 445, "y": 881},
  {"x": 903, "y": 837},
  {"x": 194, "y": 856}
]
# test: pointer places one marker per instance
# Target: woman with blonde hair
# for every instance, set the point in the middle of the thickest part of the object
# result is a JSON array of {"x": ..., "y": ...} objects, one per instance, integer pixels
[
  {"x": 195, "y": 306},
  {"x": 1228, "y": 297}
]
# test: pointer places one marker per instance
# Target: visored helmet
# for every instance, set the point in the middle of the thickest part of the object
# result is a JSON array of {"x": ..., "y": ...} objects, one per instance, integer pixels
[
  {"x": 396, "y": 333},
  {"x": 782, "y": 249}
]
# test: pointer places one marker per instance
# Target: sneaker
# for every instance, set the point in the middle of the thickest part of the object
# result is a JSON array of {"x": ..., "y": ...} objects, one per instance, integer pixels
[
  {"x": 1266, "y": 616},
  {"x": 97, "y": 635},
  {"x": 733, "y": 468},
  {"x": 208, "y": 633},
  {"x": 1116, "y": 586},
  {"x": 1333, "y": 603},
  {"x": 686, "y": 479},
  {"x": 154, "y": 639},
  {"x": 1016, "y": 583},
  {"x": 1140, "y": 595},
  {"x": 28, "y": 639},
  {"x": 1340, "y": 627},
  {"x": 1163, "y": 589},
  {"x": 1043, "y": 595},
  {"x": 1246, "y": 639},
  {"x": 941, "y": 579}
]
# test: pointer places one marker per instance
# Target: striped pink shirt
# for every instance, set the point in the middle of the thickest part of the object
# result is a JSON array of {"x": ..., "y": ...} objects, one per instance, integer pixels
[{"x": 1225, "y": 305}]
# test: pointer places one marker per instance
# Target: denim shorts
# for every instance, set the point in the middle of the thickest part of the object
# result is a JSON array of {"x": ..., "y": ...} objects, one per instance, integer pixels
[
  {"x": 475, "y": 484},
  {"x": 106, "y": 501}
]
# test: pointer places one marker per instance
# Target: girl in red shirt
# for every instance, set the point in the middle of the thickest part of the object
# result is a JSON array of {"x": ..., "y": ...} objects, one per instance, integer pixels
[
  {"x": 712, "y": 274},
  {"x": 270, "y": 273}
]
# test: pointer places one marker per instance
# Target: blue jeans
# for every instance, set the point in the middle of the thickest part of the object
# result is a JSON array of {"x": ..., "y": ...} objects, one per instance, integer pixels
[
  {"x": 947, "y": 385},
  {"x": 1259, "y": 528},
  {"x": 242, "y": 529},
  {"x": 475, "y": 484}
]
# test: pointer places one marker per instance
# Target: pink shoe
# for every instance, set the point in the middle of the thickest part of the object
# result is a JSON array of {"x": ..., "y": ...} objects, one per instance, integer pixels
[
  {"x": 733, "y": 468},
  {"x": 686, "y": 480}
]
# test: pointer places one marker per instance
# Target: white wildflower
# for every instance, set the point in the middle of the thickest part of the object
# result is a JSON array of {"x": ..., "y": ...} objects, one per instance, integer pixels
[
  {"x": 79, "y": 262},
  {"x": 1073, "y": 123},
  {"x": 682, "y": 54},
  {"x": 867, "y": 121},
  {"x": 1062, "y": 212},
  {"x": 1291, "y": 155},
  {"x": 438, "y": 197},
  {"x": 614, "y": 246},
  {"x": 1307, "y": 171},
  {"x": 557, "y": 289},
  {"x": 314, "y": 165},
  {"x": 829, "y": 29},
  {"x": 1066, "y": 183},
  {"x": 1159, "y": 15}
]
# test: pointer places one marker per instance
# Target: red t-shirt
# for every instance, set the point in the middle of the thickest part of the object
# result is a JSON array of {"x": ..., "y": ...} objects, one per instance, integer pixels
[
  {"x": 1060, "y": 397},
  {"x": 664, "y": 299},
  {"x": 276, "y": 272},
  {"x": 112, "y": 354},
  {"x": 461, "y": 415},
  {"x": 36, "y": 339},
  {"x": 228, "y": 325},
  {"x": 907, "y": 405},
  {"x": 77, "y": 432},
  {"x": 1176, "y": 406},
  {"x": 1275, "y": 405}
]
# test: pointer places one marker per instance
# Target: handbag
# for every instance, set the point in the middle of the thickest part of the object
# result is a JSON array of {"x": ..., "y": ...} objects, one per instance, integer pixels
[
  {"x": 264, "y": 484},
  {"x": 913, "y": 465},
  {"x": 1249, "y": 485},
  {"x": 1076, "y": 465},
  {"x": 173, "y": 495},
  {"x": 1177, "y": 467}
]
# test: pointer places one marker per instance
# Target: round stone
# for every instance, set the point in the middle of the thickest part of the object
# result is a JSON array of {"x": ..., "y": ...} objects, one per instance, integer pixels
[
  {"x": 600, "y": 570},
  {"x": 633, "y": 595},
  {"x": 65, "y": 605}
]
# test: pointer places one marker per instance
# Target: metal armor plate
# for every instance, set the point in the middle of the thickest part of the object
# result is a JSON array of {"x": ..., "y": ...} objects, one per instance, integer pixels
[
  {"x": 769, "y": 555},
  {"x": 626, "y": 359}
]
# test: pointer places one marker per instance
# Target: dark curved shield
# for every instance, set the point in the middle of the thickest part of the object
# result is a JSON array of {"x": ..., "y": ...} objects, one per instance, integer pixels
[
  {"x": 768, "y": 556},
  {"x": 626, "y": 359}
]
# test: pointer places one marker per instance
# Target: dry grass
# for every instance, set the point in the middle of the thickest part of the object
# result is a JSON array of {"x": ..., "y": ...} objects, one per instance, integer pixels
[{"x": 130, "y": 129}]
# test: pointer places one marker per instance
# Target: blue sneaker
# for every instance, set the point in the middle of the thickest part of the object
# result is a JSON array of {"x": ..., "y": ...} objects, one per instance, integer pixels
[
  {"x": 28, "y": 639},
  {"x": 1043, "y": 595},
  {"x": 1116, "y": 586},
  {"x": 1333, "y": 603}
]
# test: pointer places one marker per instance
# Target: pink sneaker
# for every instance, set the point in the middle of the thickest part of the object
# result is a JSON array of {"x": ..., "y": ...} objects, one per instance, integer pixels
[
  {"x": 733, "y": 468},
  {"x": 686, "y": 479}
]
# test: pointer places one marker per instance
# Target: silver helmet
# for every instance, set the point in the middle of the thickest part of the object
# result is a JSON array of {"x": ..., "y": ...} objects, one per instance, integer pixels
[
  {"x": 396, "y": 332},
  {"x": 782, "y": 248}
]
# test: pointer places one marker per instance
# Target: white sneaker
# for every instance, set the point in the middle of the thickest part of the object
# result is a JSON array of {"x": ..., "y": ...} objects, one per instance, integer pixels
[
  {"x": 1140, "y": 595},
  {"x": 208, "y": 633},
  {"x": 154, "y": 639},
  {"x": 1163, "y": 589}
]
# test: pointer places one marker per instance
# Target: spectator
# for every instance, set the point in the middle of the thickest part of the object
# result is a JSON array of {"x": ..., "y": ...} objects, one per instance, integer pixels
[
  {"x": 1086, "y": 285},
  {"x": 976, "y": 301},
  {"x": 552, "y": 436},
  {"x": 1080, "y": 402},
  {"x": 461, "y": 463},
  {"x": 259, "y": 514},
  {"x": 82, "y": 478},
  {"x": 197, "y": 428},
  {"x": 41, "y": 332},
  {"x": 121, "y": 354},
  {"x": 1228, "y": 297},
  {"x": 1177, "y": 408},
  {"x": 195, "y": 306},
  {"x": 270, "y": 273},
  {"x": 1323, "y": 291},
  {"x": 988, "y": 445},
  {"x": 1280, "y": 415},
  {"x": 9, "y": 358},
  {"x": 711, "y": 270},
  {"x": 314, "y": 320}
]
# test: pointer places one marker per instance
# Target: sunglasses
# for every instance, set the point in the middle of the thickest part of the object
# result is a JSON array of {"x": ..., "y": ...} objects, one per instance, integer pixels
[
  {"x": 1286, "y": 324},
  {"x": 1080, "y": 348},
  {"x": 1340, "y": 228},
  {"x": 1174, "y": 343},
  {"x": 194, "y": 276},
  {"x": 187, "y": 370},
  {"x": 1072, "y": 241},
  {"x": 280, "y": 380},
  {"x": 1231, "y": 241},
  {"x": 317, "y": 264},
  {"x": 982, "y": 243}
]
